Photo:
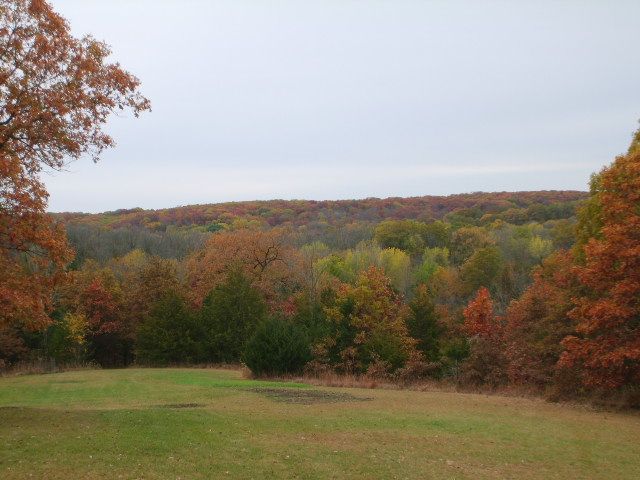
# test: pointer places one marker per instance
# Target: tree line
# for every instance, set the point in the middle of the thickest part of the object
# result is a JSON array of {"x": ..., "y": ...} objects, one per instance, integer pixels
[
  {"x": 550, "y": 307},
  {"x": 487, "y": 291}
]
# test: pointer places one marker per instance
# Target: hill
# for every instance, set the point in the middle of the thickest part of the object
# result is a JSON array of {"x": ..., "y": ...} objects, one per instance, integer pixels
[{"x": 514, "y": 207}]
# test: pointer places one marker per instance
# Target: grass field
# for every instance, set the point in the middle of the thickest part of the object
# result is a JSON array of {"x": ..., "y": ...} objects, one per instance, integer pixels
[{"x": 202, "y": 424}]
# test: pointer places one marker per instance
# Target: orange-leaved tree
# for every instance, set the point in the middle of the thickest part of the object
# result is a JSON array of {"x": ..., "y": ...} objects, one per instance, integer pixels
[
  {"x": 486, "y": 362},
  {"x": 606, "y": 346},
  {"x": 479, "y": 319},
  {"x": 538, "y": 320},
  {"x": 265, "y": 257},
  {"x": 56, "y": 93}
]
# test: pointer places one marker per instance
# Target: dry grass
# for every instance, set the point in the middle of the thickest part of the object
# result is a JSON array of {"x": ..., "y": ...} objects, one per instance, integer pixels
[{"x": 41, "y": 367}]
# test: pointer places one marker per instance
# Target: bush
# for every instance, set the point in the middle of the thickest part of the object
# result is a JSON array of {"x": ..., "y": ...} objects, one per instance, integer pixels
[
  {"x": 230, "y": 315},
  {"x": 170, "y": 334},
  {"x": 12, "y": 347},
  {"x": 277, "y": 347}
]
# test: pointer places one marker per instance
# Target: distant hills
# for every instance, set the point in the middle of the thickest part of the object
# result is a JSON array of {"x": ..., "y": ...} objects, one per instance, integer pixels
[{"x": 478, "y": 207}]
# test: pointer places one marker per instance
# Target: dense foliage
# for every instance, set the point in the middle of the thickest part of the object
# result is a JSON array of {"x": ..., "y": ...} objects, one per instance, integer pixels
[
  {"x": 532, "y": 289},
  {"x": 473, "y": 299},
  {"x": 343, "y": 223},
  {"x": 277, "y": 347},
  {"x": 606, "y": 344},
  {"x": 56, "y": 93}
]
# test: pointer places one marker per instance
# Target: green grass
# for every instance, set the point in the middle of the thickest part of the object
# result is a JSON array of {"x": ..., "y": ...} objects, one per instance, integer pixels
[{"x": 119, "y": 424}]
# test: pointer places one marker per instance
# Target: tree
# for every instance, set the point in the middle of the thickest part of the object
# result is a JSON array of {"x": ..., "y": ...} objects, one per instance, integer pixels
[
  {"x": 312, "y": 271},
  {"x": 635, "y": 143},
  {"x": 606, "y": 346},
  {"x": 144, "y": 279},
  {"x": 277, "y": 347},
  {"x": 479, "y": 319},
  {"x": 405, "y": 235},
  {"x": 563, "y": 233},
  {"x": 170, "y": 334},
  {"x": 540, "y": 248},
  {"x": 481, "y": 269},
  {"x": 101, "y": 304},
  {"x": 486, "y": 363},
  {"x": 537, "y": 322},
  {"x": 397, "y": 266},
  {"x": 467, "y": 240},
  {"x": 264, "y": 257},
  {"x": 432, "y": 258},
  {"x": 423, "y": 324},
  {"x": 33, "y": 251},
  {"x": 64, "y": 341},
  {"x": 12, "y": 347},
  {"x": 437, "y": 234},
  {"x": 590, "y": 221},
  {"x": 411, "y": 236},
  {"x": 230, "y": 315},
  {"x": 395, "y": 263},
  {"x": 56, "y": 93},
  {"x": 369, "y": 322}
]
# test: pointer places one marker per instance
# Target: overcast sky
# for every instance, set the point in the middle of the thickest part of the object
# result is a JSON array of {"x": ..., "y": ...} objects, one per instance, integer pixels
[{"x": 352, "y": 99}]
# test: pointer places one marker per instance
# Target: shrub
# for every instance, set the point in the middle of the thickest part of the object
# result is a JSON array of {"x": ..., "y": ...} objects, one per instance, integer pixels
[
  {"x": 277, "y": 347},
  {"x": 422, "y": 323},
  {"x": 230, "y": 315},
  {"x": 170, "y": 334}
]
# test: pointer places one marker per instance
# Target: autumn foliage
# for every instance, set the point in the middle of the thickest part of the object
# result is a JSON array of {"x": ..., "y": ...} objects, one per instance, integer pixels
[
  {"x": 538, "y": 321},
  {"x": 56, "y": 93},
  {"x": 479, "y": 319},
  {"x": 265, "y": 257},
  {"x": 369, "y": 324},
  {"x": 486, "y": 361},
  {"x": 606, "y": 345},
  {"x": 497, "y": 290}
]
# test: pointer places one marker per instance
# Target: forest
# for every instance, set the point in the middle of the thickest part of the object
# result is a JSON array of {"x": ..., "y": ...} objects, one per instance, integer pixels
[
  {"x": 483, "y": 290},
  {"x": 479, "y": 321},
  {"x": 536, "y": 291}
]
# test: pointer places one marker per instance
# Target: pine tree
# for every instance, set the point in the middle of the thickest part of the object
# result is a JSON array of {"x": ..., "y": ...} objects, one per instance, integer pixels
[{"x": 230, "y": 315}]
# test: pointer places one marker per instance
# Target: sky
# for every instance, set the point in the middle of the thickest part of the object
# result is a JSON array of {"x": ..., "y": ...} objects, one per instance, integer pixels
[{"x": 355, "y": 99}]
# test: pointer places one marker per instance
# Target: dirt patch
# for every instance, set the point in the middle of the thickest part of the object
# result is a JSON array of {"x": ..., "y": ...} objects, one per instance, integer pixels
[
  {"x": 180, "y": 405},
  {"x": 307, "y": 397}
]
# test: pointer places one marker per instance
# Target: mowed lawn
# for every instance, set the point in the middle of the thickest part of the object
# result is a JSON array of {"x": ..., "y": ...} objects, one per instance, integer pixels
[{"x": 203, "y": 424}]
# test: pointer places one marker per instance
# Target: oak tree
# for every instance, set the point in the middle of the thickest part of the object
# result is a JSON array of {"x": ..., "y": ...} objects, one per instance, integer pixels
[
  {"x": 538, "y": 320},
  {"x": 606, "y": 346},
  {"x": 265, "y": 258},
  {"x": 56, "y": 93}
]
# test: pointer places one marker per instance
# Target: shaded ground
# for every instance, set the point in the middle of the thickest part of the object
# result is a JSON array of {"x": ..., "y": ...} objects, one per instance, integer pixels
[
  {"x": 203, "y": 424},
  {"x": 180, "y": 405},
  {"x": 307, "y": 397}
]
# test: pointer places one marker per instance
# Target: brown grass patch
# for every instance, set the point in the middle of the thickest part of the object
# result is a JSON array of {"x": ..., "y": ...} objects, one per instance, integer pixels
[{"x": 306, "y": 397}]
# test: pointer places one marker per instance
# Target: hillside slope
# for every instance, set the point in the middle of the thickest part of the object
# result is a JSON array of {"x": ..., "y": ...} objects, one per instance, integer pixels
[{"x": 515, "y": 207}]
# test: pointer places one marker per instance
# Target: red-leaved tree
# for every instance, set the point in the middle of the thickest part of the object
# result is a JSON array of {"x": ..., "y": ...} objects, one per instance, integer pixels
[
  {"x": 486, "y": 362},
  {"x": 606, "y": 346},
  {"x": 537, "y": 322}
]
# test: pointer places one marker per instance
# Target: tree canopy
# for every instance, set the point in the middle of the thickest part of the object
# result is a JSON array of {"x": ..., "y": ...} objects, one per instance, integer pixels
[{"x": 56, "y": 93}]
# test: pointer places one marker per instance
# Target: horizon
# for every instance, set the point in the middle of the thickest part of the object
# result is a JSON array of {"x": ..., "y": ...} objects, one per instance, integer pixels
[{"x": 345, "y": 100}]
